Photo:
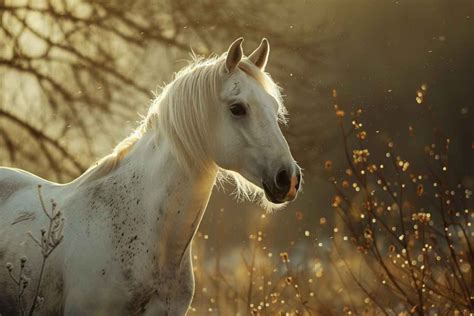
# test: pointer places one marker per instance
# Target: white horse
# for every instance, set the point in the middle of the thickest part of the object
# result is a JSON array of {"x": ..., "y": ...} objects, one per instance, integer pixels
[{"x": 130, "y": 219}]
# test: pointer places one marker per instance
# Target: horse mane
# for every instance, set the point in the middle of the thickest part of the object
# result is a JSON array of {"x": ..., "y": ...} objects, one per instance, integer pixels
[
  {"x": 110, "y": 162},
  {"x": 195, "y": 89}
]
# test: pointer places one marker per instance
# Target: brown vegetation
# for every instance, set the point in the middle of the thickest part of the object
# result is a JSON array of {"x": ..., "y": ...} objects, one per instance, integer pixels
[{"x": 401, "y": 242}]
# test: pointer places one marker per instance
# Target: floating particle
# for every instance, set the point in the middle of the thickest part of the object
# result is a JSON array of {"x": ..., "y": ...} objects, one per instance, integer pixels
[
  {"x": 299, "y": 215},
  {"x": 419, "y": 190},
  {"x": 465, "y": 267},
  {"x": 340, "y": 113},
  {"x": 328, "y": 165}
]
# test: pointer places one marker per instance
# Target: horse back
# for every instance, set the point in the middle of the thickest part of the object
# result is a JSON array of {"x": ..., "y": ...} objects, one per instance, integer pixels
[
  {"x": 19, "y": 201},
  {"x": 13, "y": 180}
]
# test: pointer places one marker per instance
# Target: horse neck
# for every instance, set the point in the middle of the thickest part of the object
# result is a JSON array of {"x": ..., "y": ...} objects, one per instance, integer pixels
[{"x": 174, "y": 198}]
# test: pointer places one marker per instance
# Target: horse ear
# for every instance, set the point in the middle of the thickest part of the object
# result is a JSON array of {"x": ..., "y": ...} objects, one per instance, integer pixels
[
  {"x": 234, "y": 54},
  {"x": 260, "y": 56}
]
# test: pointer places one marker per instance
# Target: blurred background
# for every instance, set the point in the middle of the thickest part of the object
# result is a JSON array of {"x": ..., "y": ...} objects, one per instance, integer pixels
[{"x": 76, "y": 74}]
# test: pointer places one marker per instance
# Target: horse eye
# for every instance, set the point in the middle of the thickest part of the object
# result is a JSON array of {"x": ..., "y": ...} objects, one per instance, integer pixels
[{"x": 238, "y": 109}]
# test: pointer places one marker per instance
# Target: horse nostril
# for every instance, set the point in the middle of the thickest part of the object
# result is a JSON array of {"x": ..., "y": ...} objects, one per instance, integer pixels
[{"x": 283, "y": 180}]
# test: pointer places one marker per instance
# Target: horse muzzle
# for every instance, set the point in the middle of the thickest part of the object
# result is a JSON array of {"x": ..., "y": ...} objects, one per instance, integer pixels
[{"x": 283, "y": 186}]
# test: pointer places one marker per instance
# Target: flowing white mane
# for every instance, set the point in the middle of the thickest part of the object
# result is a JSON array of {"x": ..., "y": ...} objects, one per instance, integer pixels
[{"x": 182, "y": 112}]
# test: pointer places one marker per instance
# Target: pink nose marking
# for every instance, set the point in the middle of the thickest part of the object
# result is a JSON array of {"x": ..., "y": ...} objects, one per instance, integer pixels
[{"x": 292, "y": 193}]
